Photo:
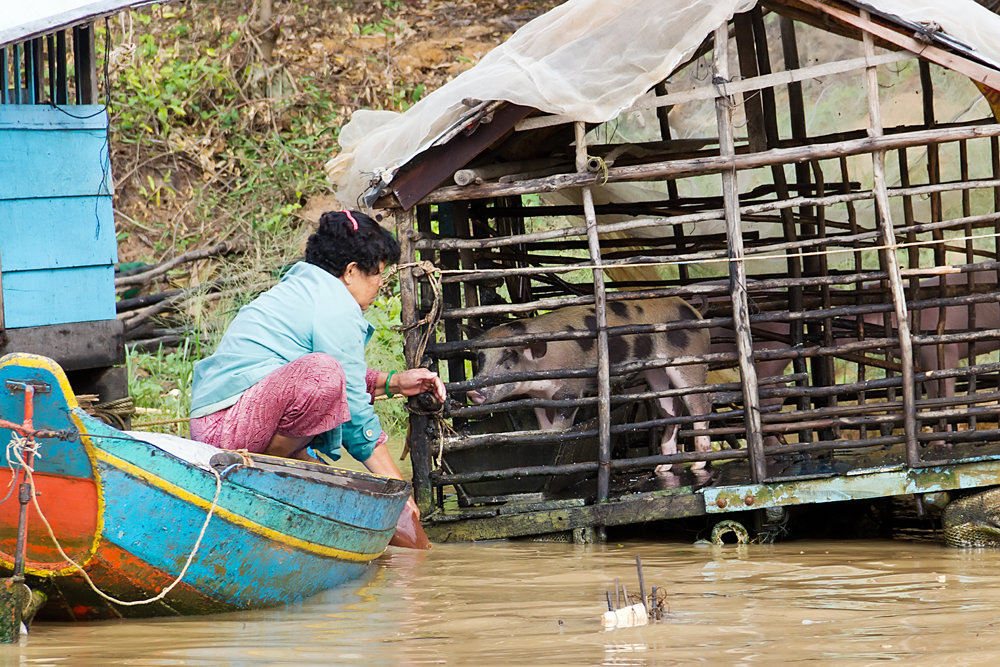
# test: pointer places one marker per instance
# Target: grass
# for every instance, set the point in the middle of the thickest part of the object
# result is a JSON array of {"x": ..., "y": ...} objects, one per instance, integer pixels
[{"x": 160, "y": 386}]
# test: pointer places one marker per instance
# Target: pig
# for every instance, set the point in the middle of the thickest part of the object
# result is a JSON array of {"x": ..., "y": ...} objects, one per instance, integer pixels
[
  {"x": 582, "y": 353},
  {"x": 724, "y": 341},
  {"x": 956, "y": 318}
]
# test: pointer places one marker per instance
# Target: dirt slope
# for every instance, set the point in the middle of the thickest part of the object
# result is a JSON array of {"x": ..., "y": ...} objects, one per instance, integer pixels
[{"x": 221, "y": 122}]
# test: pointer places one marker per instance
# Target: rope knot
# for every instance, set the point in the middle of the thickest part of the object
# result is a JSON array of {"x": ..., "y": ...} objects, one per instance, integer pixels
[{"x": 18, "y": 447}]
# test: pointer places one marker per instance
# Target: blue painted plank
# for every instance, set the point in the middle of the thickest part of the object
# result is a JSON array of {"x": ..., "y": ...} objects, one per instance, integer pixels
[
  {"x": 57, "y": 233},
  {"x": 56, "y": 162},
  {"x": 39, "y": 117},
  {"x": 329, "y": 500},
  {"x": 38, "y": 298}
]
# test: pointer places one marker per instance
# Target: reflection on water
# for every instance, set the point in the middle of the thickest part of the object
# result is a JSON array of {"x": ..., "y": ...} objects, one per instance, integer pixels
[{"x": 540, "y": 603}]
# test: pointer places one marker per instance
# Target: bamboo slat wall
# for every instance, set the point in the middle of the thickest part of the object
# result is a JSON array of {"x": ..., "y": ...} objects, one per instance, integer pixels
[{"x": 847, "y": 272}]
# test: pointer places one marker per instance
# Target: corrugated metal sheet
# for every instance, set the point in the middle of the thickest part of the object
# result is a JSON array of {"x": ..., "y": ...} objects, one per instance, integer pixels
[{"x": 24, "y": 20}]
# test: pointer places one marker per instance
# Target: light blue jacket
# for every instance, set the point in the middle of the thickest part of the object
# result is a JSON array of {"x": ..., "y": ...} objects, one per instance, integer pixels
[{"x": 309, "y": 310}]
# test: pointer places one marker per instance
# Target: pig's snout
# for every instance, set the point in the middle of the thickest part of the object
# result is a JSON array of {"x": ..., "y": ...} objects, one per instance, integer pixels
[{"x": 477, "y": 397}]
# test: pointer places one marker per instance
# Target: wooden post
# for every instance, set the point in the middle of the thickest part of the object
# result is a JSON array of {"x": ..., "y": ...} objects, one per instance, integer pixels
[
  {"x": 788, "y": 222},
  {"x": 826, "y": 330},
  {"x": 62, "y": 65},
  {"x": 753, "y": 108},
  {"x": 737, "y": 269},
  {"x": 970, "y": 258},
  {"x": 452, "y": 217},
  {"x": 790, "y": 52},
  {"x": 16, "y": 78},
  {"x": 934, "y": 177},
  {"x": 11, "y": 603},
  {"x": 83, "y": 61},
  {"x": 600, "y": 303},
  {"x": 663, "y": 117},
  {"x": 858, "y": 256},
  {"x": 419, "y": 443},
  {"x": 4, "y": 84},
  {"x": 892, "y": 261},
  {"x": 995, "y": 170}
]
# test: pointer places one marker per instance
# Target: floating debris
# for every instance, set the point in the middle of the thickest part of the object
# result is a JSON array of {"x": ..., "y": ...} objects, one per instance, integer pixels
[
  {"x": 626, "y": 617},
  {"x": 637, "y": 609}
]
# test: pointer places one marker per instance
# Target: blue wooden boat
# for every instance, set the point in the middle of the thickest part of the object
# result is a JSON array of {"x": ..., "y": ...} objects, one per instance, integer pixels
[{"x": 128, "y": 510}]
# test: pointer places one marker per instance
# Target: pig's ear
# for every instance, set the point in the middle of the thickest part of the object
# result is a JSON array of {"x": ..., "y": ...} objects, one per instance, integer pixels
[
  {"x": 536, "y": 350},
  {"x": 471, "y": 331}
]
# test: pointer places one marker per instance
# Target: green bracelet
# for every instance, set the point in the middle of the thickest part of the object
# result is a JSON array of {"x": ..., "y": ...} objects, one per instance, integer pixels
[{"x": 388, "y": 377}]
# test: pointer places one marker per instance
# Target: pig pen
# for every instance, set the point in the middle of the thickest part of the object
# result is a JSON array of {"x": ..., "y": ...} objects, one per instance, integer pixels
[{"x": 836, "y": 224}]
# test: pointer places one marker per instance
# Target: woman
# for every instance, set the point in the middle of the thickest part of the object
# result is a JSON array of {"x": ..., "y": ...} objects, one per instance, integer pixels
[{"x": 290, "y": 370}]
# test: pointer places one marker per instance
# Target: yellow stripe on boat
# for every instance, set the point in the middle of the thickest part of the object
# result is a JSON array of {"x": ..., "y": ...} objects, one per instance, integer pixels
[{"x": 232, "y": 517}]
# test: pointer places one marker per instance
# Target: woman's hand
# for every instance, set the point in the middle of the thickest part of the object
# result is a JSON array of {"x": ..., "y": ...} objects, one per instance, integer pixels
[
  {"x": 417, "y": 381},
  {"x": 409, "y": 533}
]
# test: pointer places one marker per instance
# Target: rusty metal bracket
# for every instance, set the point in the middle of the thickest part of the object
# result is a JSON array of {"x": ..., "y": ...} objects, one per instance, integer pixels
[
  {"x": 14, "y": 386},
  {"x": 872, "y": 483}
]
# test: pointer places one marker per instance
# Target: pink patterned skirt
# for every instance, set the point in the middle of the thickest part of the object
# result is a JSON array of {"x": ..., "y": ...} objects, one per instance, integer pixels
[{"x": 303, "y": 398}]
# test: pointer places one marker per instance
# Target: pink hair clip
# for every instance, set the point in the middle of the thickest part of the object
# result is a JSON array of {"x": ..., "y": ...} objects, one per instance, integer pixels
[{"x": 351, "y": 218}]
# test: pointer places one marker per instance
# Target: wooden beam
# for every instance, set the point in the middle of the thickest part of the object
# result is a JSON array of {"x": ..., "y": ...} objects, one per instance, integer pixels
[
  {"x": 439, "y": 163},
  {"x": 737, "y": 269},
  {"x": 973, "y": 70},
  {"x": 713, "y": 165},
  {"x": 84, "y": 62},
  {"x": 892, "y": 261},
  {"x": 756, "y": 131},
  {"x": 416, "y": 438},
  {"x": 635, "y": 508},
  {"x": 600, "y": 311}
]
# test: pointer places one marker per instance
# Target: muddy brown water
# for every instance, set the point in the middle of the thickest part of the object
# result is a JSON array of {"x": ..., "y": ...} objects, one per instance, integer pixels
[{"x": 513, "y": 603}]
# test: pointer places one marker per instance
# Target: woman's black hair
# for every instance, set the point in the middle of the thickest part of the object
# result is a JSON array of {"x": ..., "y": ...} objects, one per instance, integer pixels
[{"x": 336, "y": 243}]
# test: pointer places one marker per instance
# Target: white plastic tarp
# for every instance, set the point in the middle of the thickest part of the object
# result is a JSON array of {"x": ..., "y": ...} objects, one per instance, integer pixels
[{"x": 590, "y": 60}]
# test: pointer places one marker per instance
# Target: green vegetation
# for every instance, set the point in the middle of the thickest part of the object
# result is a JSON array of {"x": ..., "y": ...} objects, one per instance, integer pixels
[
  {"x": 160, "y": 387},
  {"x": 212, "y": 143}
]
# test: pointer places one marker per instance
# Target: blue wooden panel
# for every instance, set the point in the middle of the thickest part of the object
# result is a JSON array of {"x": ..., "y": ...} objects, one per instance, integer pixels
[
  {"x": 38, "y": 298},
  {"x": 44, "y": 117},
  {"x": 56, "y": 233},
  {"x": 45, "y": 152}
]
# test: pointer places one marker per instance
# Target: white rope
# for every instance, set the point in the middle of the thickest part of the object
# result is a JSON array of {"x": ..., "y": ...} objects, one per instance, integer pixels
[
  {"x": 17, "y": 443},
  {"x": 123, "y": 55},
  {"x": 16, "y": 450}
]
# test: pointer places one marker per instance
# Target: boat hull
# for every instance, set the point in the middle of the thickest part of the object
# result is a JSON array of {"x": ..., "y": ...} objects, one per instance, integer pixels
[{"x": 128, "y": 509}]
